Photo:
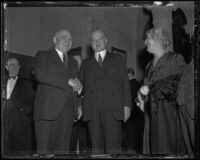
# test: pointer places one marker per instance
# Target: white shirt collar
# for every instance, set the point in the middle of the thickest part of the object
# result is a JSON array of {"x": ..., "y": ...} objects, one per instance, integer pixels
[
  {"x": 102, "y": 53},
  {"x": 59, "y": 53}
]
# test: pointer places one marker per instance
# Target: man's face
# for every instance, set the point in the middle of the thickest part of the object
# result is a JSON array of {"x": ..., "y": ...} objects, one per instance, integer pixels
[
  {"x": 63, "y": 41},
  {"x": 99, "y": 41},
  {"x": 13, "y": 67}
]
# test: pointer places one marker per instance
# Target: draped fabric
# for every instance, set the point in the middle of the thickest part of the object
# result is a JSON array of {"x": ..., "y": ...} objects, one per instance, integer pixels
[
  {"x": 162, "y": 132},
  {"x": 165, "y": 89},
  {"x": 186, "y": 103}
]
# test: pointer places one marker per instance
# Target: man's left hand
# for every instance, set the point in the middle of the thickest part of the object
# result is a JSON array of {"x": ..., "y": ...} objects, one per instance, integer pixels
[
  {"x": 127, "y": 113},
  {"x": 79, "y": 113},
  {"x": 79, "y": 85}
]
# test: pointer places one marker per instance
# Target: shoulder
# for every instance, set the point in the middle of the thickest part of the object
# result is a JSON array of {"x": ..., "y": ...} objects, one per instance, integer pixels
[
  {"x": 24, "y": 79},
  {"x": 25, "y": 82},
  {"x": 115, "y": 55},
  {"x": 176, "y": 60},
  {"x": 173, "y": 56},
  {"x": 117, "y": 58},
  {"x": 44, "y": 53}
]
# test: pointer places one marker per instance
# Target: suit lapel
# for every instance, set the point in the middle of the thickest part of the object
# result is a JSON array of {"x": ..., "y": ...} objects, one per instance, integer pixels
[
  {"x": 55, "y": 57},
  {"x": 93, "y": 64},
  {"x": 107, "y": 60},
  {"x": 16, "y": 87}
]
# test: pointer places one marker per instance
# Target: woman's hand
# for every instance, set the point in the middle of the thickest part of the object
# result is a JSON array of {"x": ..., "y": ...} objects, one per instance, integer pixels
[
  {"x": 142, "y": 97},
  {"x": 144, "y": 90},
  {"x": 141, "y": 102}
]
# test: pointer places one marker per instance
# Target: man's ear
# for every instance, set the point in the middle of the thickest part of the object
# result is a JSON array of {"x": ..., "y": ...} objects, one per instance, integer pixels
[
  {"x": 54, "y": 40},
  {"x": 6, "y": 67},
  {"x": 106, "y": 40}
]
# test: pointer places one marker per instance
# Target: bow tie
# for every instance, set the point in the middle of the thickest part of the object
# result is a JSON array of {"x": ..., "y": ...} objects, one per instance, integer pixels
[{"x": 12, "y": 77}]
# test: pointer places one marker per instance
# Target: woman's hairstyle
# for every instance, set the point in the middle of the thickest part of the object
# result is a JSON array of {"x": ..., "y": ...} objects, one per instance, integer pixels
[{"x": 159, "y": 35}]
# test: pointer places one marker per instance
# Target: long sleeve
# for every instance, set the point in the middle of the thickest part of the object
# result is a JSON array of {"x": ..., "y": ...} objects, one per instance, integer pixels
[{"x": 44, "y": 75}]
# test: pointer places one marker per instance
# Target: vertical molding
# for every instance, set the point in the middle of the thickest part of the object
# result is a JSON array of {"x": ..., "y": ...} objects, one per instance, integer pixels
[
  {"x": 162, "y": 17},
  {"x": 6, "y": 27}
]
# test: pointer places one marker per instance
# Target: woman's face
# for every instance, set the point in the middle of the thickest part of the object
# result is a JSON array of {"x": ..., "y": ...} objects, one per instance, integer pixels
[{"x": 151, "y": 44}]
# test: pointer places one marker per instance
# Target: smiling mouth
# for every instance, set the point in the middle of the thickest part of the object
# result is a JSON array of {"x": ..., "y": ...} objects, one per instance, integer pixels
[{"x": 67, "y": 46}]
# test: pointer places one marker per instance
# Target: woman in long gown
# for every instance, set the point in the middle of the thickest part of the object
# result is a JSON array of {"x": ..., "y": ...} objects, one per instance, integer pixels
[{"x": 162, "y": 132}]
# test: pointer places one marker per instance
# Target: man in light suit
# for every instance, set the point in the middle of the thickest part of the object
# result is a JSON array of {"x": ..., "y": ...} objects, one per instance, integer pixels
[
  {"x": 18, "y": 131},
  {"x": 56, "y": 104},
  {"x": 107, "y": 98}
]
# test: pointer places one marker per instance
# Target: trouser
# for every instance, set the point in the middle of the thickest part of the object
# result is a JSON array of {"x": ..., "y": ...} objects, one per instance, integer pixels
[
  {"x": 53, "y": 136},
  {"x": 105, "y": 132}
]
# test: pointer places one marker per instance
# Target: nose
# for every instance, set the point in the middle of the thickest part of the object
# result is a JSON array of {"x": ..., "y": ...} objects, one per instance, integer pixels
[
  {"x": 67, "y": 41},
  {"x": 97, "y": 42}
]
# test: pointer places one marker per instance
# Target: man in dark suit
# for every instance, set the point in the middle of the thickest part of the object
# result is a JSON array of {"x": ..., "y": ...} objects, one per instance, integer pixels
[
  {"x": 56, "y": 103},
  {"x": 107, "y": 100},
  {"x": 133, "y": 127},
  {"x": 18, "y": 131}
]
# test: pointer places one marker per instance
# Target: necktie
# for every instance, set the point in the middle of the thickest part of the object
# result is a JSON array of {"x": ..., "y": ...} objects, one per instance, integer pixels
[
  {"x": 100, "y": 60},
  {"x": 65, "y": 61}
]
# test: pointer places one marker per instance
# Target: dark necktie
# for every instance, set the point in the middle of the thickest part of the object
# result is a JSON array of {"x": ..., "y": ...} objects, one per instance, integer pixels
[
  {"x": 65, "y": 60},
  {"x": 100, "y": 60}
]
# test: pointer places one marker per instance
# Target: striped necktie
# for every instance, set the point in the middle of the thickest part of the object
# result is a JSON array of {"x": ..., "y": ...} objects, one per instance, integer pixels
[
  {"x": 65, "y": 60},
  {"x": 100, "y": 60}
]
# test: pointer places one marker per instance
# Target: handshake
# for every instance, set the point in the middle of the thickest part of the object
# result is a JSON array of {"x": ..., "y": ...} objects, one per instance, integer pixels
[{"x": 75, "y": 84}]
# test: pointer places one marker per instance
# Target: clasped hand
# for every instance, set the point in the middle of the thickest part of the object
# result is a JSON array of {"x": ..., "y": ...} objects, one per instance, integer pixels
[
  {"x": 75, "y": 84},
  {"x": 140, "y": 104}
]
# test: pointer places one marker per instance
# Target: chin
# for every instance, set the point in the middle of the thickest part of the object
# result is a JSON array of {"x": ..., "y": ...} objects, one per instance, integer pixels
[{"x": 149, "y": 51}]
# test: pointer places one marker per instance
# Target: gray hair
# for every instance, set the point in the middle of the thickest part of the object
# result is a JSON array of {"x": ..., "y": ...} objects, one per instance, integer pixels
[{"x": 160, "y": 35}]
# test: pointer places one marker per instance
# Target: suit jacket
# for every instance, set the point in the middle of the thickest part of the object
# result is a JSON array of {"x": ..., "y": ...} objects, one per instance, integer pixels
[
  {"x": 116, "y": 92},
  {"x": 20, "y": 105},
  {"x": 135, "y": 86},
  {"x": 53, "y": 90}
]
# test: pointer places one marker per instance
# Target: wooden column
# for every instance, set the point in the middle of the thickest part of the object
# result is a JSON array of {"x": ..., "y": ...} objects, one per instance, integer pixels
[{"x": 162, "y": 17}]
